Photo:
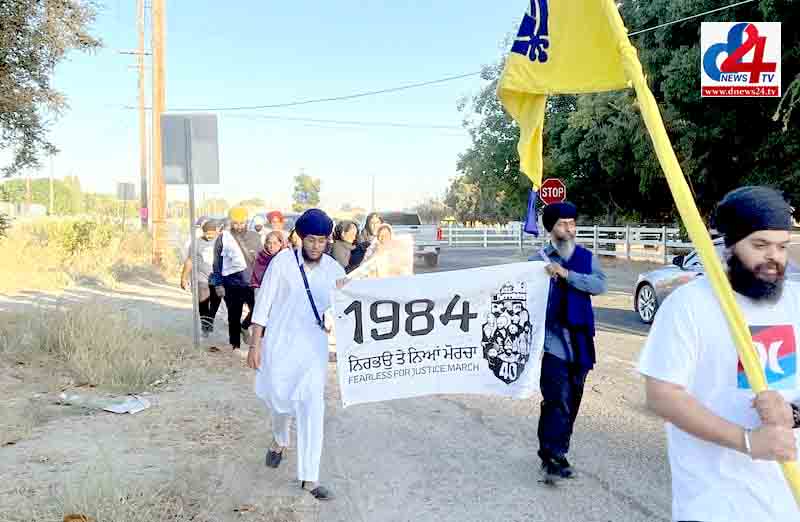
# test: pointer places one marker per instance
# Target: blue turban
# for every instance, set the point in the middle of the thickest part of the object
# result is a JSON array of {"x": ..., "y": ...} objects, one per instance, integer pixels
[
  {"x": 314, "y": 222},
  {"x": 552, "y": 213}
]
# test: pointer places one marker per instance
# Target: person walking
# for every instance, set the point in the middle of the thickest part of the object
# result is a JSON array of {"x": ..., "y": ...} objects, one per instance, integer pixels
[
  {"x": 367, "y": 235},
  {"x": 235, "y": 252},
  {"x": 344, "y": 242},
  {"x": 725, "y": 442},
  {"x": 276, "y": 221},
  {"x": 289, "y": 346},
  {"x": 569, "y": 349},
  {"x": 273, "y": 244},
  {"x": 207, "y": 297},
  {"x": 259, "y": 228}
]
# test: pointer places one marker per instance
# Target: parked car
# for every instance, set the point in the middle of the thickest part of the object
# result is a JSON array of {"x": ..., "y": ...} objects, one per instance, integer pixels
[
  {"x": 427, "y": 238},
  {"x": 654, "y": 286}
]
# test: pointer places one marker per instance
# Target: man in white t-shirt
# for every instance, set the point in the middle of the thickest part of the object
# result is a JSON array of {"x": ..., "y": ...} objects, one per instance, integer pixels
[{"x": 724, "y": 443}]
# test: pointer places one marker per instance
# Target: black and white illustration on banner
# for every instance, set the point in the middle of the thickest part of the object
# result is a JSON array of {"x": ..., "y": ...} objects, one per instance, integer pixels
[{"x": 508, "y": 332}]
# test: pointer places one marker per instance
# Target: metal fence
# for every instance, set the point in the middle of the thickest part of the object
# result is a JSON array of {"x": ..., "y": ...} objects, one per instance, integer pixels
[{"x": 639, "y": 243}]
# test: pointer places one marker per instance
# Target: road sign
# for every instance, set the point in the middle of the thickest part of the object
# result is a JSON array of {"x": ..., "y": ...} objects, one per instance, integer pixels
[
  {"x": 126, "y": 191},
  {"x": 190, "y": 140},
  {"x": 553, "y": 191}
]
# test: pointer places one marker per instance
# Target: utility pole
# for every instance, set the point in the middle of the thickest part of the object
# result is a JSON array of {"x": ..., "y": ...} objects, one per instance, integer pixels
[
  {"x": 142, "y": 119},
  {"x": 158, "y": 187}
]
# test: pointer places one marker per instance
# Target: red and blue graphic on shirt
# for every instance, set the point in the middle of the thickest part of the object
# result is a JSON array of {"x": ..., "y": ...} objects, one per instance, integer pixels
[{"x": 777, "y": 350}]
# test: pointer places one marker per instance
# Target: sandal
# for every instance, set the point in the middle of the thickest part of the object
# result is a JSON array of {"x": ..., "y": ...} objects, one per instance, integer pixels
[{"x": 319, "y": 492}]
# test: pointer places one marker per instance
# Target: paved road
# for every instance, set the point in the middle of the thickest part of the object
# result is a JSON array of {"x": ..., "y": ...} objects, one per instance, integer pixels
[{"x": 473, "y": 458}]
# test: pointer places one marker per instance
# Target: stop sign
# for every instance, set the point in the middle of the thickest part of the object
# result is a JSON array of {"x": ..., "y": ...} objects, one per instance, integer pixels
[{"x": 553, "y": 191}]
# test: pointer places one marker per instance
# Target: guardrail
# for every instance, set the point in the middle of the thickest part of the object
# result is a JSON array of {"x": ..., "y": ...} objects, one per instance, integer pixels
[
  {"x": 632, "y": 243},
  {"x": 637, "y": 243}
]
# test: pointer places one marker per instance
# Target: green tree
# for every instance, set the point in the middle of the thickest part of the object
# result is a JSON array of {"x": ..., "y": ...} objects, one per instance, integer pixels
[
  {"x": 598, "y": 143},
  {"x": 306, "y": 192},
  {"x": 432, "y": 211},
  {"x": 252, "y": 202},
  {"x": 66, "y": 197},
  {"x": 35, "y": 36}
]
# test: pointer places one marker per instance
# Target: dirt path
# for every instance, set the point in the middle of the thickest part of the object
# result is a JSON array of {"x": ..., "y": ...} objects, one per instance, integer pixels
[{"x": 452, "y": 458}]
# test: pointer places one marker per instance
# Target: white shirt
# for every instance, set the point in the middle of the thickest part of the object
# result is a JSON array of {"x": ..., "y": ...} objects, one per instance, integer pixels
[
  {"x": 690, "y": 345},
  {"x": 233, "y": 260},
  {"x": 294, "y": 351}
]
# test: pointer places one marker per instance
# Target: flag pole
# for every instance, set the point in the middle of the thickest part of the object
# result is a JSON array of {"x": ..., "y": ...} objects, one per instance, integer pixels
[{"x": 692, "y": 220}]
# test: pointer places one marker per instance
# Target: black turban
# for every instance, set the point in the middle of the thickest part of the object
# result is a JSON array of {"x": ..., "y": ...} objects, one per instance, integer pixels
[
  {"x": 552, "y": 213},
  {"x": 314, "y": 222},
  {"x": 749, "y": 209}
]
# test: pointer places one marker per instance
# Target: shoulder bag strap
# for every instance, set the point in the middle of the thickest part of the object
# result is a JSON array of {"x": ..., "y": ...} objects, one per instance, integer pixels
[{"x": 320, "y": 322}]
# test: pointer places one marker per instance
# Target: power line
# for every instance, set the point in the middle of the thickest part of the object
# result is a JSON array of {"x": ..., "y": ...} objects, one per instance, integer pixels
[
  {"x": 690, "y": 17},
  {"x": 333, "y": 98},
  {"x": 355, "y": 123},
  {"x": 425, "y": 83}
]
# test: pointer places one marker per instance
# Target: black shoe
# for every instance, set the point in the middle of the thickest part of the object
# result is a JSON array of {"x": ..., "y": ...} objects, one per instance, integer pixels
[
  {"x": 319, "y": 492},
  {"x": 551, "y": 470},
  {"x": 274, "y": 458},
  {"x": 566, "y": 469}
]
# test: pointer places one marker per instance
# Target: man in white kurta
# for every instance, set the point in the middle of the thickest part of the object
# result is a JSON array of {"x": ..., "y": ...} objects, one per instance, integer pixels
[{"x": 292, "y": 359}]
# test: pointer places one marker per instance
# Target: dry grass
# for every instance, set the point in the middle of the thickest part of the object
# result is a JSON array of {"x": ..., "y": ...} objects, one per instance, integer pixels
[
  {"x": 51, "y": 254},
  {"x": 97, "y": 345},
  {"x": 102, "y": 493}
]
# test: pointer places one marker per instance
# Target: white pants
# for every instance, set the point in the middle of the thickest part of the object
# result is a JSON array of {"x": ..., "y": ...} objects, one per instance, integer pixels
[{"x": 310, "y": 415}]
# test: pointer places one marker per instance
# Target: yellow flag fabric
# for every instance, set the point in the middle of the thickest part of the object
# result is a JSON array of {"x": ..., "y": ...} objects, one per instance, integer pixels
[{"x": 562, "y": 47}]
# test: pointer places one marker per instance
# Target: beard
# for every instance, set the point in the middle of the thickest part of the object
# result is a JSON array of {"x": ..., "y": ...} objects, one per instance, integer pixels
[
  {"x": 747, "y": 282},
  {"x": 564, "y": 246}
]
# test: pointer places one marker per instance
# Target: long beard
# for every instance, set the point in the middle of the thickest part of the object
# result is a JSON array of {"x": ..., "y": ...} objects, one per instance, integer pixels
[
  {"x": 564, "y": 247},
  {"x": 746, "y": 282}
]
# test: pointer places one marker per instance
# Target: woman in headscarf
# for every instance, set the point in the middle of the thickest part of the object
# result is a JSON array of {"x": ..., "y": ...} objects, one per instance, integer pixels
[
  {"x": 344, "y": 242},
  {"x": 374, "y": 220},
  {"x": 273, "y": 244}
]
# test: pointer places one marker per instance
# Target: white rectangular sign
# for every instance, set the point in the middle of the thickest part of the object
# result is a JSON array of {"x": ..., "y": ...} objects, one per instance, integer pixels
[{"x": 467, "y": 331}]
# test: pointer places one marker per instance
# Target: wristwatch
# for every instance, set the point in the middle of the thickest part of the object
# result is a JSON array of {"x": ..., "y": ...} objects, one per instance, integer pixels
[{"x": 795, "y": 415}]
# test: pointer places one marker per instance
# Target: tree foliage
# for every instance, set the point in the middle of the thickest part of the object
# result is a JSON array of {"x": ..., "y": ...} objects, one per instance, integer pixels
[
  {"x": 306, "y": 192},
  {"x": 433, "y": 211},
  {"x": 599, "y": 146},
  {"x": 35, "y": 36}
]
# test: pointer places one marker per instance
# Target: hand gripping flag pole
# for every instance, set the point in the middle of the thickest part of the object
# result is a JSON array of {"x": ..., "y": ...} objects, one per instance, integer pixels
[
  {"x": 582, "y": 46},
  {"x": 691, "y": 218}
]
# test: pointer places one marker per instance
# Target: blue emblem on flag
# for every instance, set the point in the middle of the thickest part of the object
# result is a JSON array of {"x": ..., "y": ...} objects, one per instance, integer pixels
[{"x": 533, "y": 37}]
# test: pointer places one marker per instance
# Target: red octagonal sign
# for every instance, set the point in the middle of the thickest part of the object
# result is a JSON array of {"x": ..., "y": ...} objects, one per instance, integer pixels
[{"x": 553, "y": 191}]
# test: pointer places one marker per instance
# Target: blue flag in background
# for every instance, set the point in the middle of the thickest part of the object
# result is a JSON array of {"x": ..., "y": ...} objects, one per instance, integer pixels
[{"x": 532, "y": 218}]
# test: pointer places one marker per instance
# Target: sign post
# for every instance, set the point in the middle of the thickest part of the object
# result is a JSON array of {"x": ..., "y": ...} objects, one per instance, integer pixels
[
  {"x": 190, "y": 155},
  {"x": 125, "y": 192},
  {"x": 553, "y": 191}
]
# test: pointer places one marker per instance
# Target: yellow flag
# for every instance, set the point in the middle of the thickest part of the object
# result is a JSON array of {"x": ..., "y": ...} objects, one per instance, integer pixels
[{"x": 562, "y": 47}]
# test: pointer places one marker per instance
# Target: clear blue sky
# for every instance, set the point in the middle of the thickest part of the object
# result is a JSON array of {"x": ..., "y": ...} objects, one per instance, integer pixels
[{"x": 260, "y": 52}]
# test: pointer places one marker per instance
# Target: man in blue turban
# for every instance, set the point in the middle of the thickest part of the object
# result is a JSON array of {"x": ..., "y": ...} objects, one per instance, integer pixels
[
  {"x": 290, "y": 309},
  {"x": 569, "y": 335}
]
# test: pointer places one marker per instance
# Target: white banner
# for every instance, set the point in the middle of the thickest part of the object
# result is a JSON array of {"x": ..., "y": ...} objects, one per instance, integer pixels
[{"x": 468, "y": 331}]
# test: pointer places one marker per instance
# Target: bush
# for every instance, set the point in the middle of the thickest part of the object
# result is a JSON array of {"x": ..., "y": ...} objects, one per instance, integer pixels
[{"x": 50, "y": 254}]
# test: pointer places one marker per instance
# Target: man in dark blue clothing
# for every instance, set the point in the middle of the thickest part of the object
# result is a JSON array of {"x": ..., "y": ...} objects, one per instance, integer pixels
[{"x": 569, "y": 351}]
